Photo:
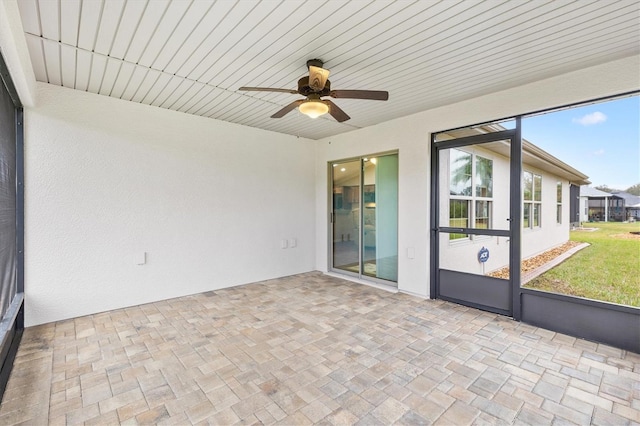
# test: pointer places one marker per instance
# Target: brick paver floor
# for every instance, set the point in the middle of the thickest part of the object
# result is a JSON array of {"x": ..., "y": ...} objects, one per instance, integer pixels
[{"x": 314, "y": 349}]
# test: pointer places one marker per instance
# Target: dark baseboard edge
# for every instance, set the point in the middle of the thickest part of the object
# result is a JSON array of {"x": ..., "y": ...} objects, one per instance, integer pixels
[{"x": 7, "y": 365}]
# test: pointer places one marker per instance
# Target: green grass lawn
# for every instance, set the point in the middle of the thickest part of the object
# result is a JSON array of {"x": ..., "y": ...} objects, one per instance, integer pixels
[{"x": 608, "y": 270}]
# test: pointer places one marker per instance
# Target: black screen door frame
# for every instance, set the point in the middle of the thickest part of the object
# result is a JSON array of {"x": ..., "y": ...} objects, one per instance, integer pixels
[
  {"x": 12, "y": 324},
  {"x": 513, "y": 307}
]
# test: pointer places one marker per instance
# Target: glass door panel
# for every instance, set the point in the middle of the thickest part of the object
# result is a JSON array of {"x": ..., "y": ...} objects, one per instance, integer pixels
[
  {"x": 380, "y": 218},
  {"x": 346, "y": 216}
]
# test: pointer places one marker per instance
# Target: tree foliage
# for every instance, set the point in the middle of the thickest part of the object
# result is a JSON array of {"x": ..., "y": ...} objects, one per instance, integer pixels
[
  {"x": 605, "y": 188},
  {"x": 634, "y": 189}
]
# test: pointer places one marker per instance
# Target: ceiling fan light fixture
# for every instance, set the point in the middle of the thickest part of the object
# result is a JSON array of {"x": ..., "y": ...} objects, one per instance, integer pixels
[
  {"x": 313, "y": 108},
  {"x": 314, "y": 87}
]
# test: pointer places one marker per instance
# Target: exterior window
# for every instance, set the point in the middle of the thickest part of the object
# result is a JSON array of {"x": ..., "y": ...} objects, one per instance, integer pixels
[
  {"x": 461, "y": 165},
  {"x": 483, "y": 214},
  {"x": 484, "y": 177},
  {"x": 458, "y": 217},
  {"x": 559, "y": 202},
  {"x": 471, "y": 192},
  {"x": 532, "y": 207}
]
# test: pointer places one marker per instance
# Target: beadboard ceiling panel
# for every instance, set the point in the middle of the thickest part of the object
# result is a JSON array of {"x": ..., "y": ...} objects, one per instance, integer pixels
[{"x": 192, "y": 56}]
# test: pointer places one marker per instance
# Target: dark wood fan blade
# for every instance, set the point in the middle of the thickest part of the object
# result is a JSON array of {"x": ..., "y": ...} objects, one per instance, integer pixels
[
  {"x": 267, "y": 89},
  {"x": 336, "y": 112},
  {"x": 376, "y": 95},
  {"x": 293, "y": 105}
]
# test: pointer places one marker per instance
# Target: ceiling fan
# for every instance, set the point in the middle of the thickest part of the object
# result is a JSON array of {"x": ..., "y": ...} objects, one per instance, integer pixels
[{"x": 314, "y": 87}]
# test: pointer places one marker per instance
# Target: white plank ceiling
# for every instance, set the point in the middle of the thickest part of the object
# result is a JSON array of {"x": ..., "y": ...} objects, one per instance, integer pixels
[{"x": 193, "y": 55}]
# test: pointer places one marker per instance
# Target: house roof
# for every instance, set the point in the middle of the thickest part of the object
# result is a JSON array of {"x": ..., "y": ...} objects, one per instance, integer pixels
[
  {"x": 193, "y": 56},
  {"x": 532, "y": 154},
  {"x": 587, "y": 191},
  {"x": 629, "y": 199},
  {"x": 537, "y": 157}
]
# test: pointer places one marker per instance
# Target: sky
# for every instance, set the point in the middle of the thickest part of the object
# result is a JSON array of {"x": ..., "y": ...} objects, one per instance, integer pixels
[{"x": 600, "y": 140}]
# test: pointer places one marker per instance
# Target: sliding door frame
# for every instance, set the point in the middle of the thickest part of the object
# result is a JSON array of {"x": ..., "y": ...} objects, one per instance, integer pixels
[{"x": 330, "y": 219}]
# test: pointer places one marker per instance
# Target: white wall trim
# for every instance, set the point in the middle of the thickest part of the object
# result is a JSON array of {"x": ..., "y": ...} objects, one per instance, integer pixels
[{"x": 15, "y": 52}]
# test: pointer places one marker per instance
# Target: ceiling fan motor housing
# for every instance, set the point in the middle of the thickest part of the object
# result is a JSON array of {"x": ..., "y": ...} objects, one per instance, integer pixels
[
  {"x": 305, "y": 90},
  {"x": 315, "y": 63}
]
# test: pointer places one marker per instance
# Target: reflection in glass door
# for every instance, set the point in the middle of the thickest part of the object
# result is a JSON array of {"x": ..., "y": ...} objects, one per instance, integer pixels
[{"x": 365, "y": 217}]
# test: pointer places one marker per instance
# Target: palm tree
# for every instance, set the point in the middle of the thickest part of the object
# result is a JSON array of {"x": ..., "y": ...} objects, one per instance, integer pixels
[
  {"x": 461, "y": 174},
  {"x": 461, "y": 169}
]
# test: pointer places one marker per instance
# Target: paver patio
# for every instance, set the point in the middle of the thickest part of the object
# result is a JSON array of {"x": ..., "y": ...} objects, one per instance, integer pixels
[{"x": 314, "y": 349}]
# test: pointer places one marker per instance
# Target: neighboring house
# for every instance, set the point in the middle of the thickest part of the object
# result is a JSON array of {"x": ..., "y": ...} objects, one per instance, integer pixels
[
  {"x": 628, "y": 206},
  {"x": 477, "y": 181},
  {"x": 597, "y": 206},
  {"x": 574, "y": 205},
  {"x": 594, "y": 204}
]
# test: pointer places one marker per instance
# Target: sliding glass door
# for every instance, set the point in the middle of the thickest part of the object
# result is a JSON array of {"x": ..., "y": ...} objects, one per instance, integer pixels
[{"x": 364, "y": 217}]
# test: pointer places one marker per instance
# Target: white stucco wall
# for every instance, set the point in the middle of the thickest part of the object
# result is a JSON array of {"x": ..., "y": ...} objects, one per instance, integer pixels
[
  {"x": 550, "y": 234},
  {"x": 584, "y": 209},
  {"x": 411, "y": 137},
  {"x": 107, "y": 180}
]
